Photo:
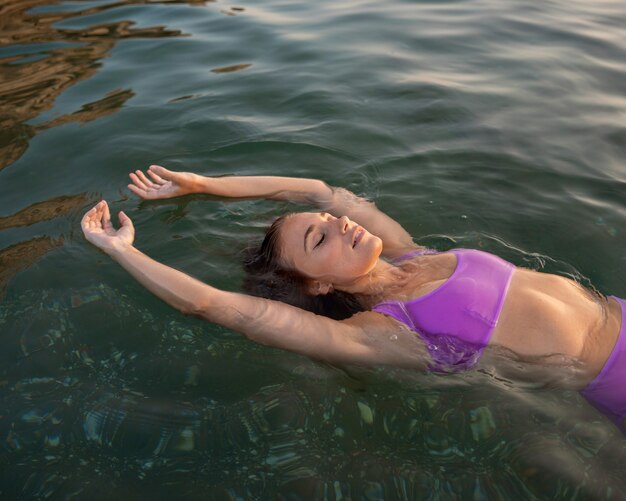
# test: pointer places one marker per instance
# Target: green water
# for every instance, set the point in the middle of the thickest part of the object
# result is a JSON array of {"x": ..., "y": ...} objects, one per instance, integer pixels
[{"x": 497, "y": 125}]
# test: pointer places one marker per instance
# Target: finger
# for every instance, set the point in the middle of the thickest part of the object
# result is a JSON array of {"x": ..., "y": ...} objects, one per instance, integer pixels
[
  {"x": 156, "y": 178},
  {"x": 128, "y": 228},
  {"x": 145, "y": 180},
  {"x": 106, "y": 218},
  {"x": 161, "y": 172},
  {"x": 96, "y": 220},
  {"x": 125, "y": 221},
  {"x": 84, "y": 222},
  {"x": 138, "y": 182},
  {"x": 138, "y": 191}
]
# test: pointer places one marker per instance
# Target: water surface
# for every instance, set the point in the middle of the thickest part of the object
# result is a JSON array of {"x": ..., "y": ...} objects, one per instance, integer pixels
[{"x": 474, "y": 123}]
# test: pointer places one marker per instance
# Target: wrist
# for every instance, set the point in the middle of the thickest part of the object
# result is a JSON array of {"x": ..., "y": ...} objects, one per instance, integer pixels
[
  {"x": 119, "y": 250},
  {"x": 203, "y": 184}
]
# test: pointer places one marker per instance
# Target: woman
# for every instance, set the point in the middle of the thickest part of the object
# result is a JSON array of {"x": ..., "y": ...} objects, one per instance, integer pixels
[{"x": 414, "y": 308}]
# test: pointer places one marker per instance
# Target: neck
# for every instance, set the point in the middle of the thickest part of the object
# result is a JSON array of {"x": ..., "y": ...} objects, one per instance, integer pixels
[{"x": 371, "y": 287}]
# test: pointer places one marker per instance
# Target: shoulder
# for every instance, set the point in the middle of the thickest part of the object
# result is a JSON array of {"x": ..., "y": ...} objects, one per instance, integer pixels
[
  {"x": 373, "y": 321},
  {"x": 370, "y": 326},
  {"x": 384, "y": 340}
]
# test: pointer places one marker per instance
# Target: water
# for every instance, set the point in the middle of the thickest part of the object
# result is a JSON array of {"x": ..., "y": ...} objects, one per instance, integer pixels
[{"x": 497, "y": 125}]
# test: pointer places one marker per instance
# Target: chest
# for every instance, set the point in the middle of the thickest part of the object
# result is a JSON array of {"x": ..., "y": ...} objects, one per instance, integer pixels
[{"x": 461, "y": 298}]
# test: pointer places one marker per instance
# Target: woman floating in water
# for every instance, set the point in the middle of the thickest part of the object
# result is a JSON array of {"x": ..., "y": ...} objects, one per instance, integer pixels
[{"x": 374, "y": 296}]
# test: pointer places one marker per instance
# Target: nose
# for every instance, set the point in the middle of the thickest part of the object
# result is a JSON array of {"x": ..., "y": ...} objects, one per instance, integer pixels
[{"x": 344, "y": 224}]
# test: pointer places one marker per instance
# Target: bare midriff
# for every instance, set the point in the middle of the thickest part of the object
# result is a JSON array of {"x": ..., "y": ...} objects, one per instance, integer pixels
[{"x": 548, "y": 315}]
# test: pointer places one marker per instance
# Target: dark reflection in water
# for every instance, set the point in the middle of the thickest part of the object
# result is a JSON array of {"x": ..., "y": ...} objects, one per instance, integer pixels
[
  {"x": 45, "y": 61},
  {"x": 44, "y": 211},
  {"x": 20, "y": 256},
  {"x": 29, "y": 87},
  {"x": 14, "y": 139},
  {"x": 229, "y": 69}
]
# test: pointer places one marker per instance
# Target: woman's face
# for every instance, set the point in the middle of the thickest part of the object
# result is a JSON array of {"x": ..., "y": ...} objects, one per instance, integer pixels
[{"x": 329, "y": 249}]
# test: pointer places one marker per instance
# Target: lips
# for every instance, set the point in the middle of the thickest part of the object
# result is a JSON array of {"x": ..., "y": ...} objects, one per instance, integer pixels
[{"x": 358, "y": 235}]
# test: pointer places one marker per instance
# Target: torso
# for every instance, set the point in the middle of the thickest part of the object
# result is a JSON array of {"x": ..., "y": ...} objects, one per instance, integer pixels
[
  {"x": 542, "y": 314},
  {"x": 546, "y": 314}
]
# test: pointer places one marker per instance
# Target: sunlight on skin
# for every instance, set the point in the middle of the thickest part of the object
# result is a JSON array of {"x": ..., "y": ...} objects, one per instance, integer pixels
[
  {"x": 330, "y": 249},
  {"x": 99, "y": 230},
  {"x": 162, "y": 183}
]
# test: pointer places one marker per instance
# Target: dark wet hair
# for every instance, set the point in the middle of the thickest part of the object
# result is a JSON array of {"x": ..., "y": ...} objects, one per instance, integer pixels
[{"x": 267, "y": 277}]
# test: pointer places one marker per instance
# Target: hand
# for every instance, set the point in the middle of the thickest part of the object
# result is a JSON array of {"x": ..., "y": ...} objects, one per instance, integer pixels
[
  {"x": 98, "y": 229},
  {"x": 164, "y": 183}
]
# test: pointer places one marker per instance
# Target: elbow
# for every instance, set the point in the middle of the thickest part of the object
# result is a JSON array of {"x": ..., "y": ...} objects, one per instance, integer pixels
[
  {"x": 196, "y": 308},
  {"x": 188, "y": 310},
  {"x": 322, "y": 194}
]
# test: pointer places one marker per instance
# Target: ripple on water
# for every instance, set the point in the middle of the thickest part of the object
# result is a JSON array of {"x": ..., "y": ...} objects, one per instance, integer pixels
[{"x": 482, "y": 124}]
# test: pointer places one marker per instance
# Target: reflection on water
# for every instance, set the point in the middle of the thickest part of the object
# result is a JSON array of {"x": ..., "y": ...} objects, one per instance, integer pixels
[
  {"x": 16, "y": 136},
  {"x": 484, "y": 124},
  {"x": 20, "y": 256},
  {"x": 29, "y": 87},
  {"x": 44, "y": 62},
  {"x": 44, "y": 211},
  {"x": 229, "y": 69}
]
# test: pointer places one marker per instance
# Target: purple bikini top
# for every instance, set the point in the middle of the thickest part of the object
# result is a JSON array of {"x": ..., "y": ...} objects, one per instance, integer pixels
[{"x": 456, "y": 319}]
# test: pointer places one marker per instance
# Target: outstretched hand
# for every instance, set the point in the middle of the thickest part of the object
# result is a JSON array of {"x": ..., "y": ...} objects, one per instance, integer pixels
[
  {"x": 162, "y": 183},
  {"x": 99, "y": 230}
]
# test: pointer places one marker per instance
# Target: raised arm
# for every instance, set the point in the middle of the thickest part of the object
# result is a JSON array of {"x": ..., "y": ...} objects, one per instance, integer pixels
[
  {"x": 357, "y": 340},
  {"x": 163, "y": 183}
]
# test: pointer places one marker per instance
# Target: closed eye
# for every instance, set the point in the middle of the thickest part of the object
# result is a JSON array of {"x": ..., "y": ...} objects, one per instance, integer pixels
[{"x": 320, "y": 241}]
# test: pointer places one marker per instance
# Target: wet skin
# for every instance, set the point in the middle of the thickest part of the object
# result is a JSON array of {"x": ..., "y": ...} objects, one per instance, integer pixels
[
  {"x": 332, "y": 250},
  {"x": 543, "y": 314}
]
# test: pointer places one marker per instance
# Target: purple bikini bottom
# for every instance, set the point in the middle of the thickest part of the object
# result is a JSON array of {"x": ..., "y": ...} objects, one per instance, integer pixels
[{"x": 607, "y": 392}]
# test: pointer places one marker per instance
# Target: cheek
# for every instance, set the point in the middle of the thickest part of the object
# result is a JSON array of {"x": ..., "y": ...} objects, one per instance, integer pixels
[{"x": 319, "y": 264}]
